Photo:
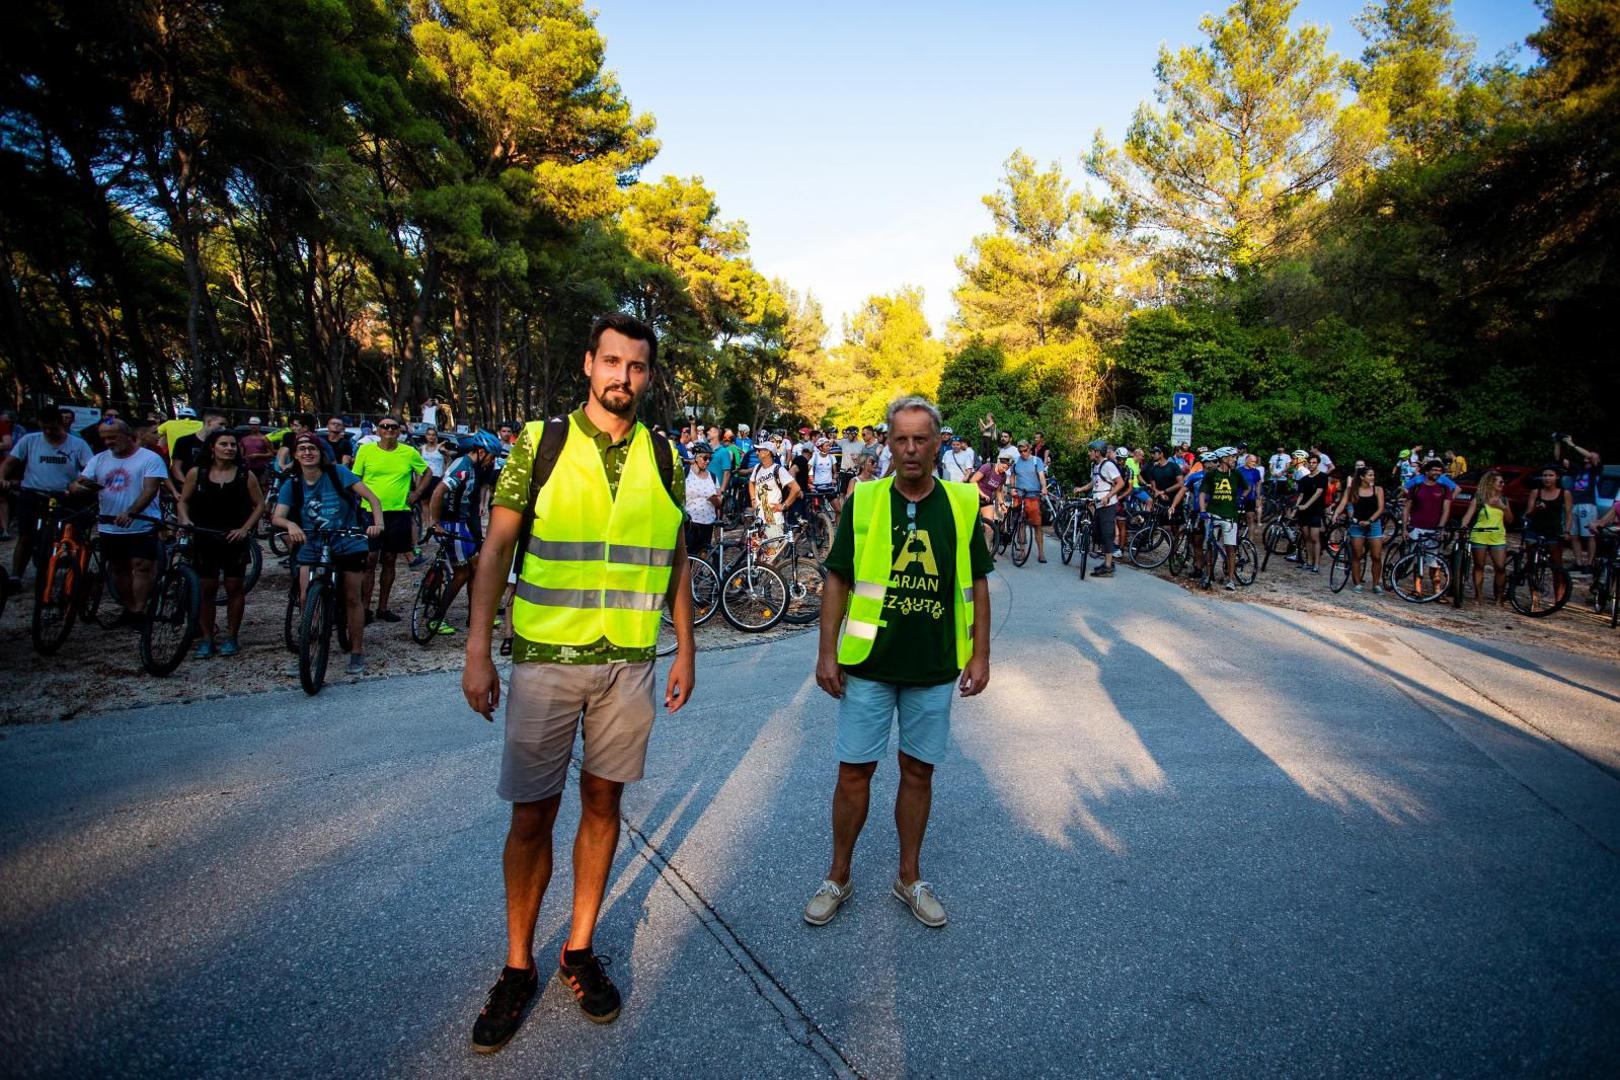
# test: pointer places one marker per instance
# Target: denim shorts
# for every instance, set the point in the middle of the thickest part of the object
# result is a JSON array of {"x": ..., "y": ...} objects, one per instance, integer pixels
[
  {"x": 866, "y": 714},
  {"x": 1375, "y": 531}
]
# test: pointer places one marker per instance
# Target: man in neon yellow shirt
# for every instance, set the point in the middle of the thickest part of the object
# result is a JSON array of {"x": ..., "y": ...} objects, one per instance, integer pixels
[{"x": 399, "y": 476}]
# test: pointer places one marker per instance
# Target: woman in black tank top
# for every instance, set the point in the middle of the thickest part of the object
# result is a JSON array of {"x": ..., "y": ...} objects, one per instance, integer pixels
[
  {"x": 1363, "y": 502},
  {"x": 222, "y": 496},
  {"x": 1547, "y": 514}
]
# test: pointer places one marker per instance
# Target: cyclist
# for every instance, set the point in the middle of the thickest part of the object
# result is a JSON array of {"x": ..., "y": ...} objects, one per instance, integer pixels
[
  {"x": 702, "y": 501},
  {"x": 255, "y": 449},
  {"x": 1548, "y": 515},
  {"x": 186, "y": 453},
  {"x": 1028, "y": 475},
  {"x": 1428, "y": 508},
  {"x": 322, "y": 495},
  {"x": 1277, "y": 471},
  {"x": 824, "y": 472},
  {"x": 992, "y": 480},
  {"x": 1220, "y": 495},
  {"x": 960, "y": 462},
  {"x": 338, "y": 444},
  {"x": 170, "y": 432},
  {"x": 48, "y": 460},
  {"x": 849, "y": 452},
  {"x": 1007, "y": 451},
  {"x": 1363, "y": 503},
  {"x": 456, "y": 507},
  {"x": 772, "y": 490},
  {"x": 885, "y": 460},
  {"x": 1124, "y": 462},
  {"x": 1489, "y": 515},
  {"x": 1163, "y": 475},
  {"x": 399, "y": 476},
  {"x": 127, "y": 479},
  {"x": 222, "y": 495},
  {"x": 1107, "y": 485},
  {"x": 1254, "y": 498},
  {"x": 1309, "y": 512}
]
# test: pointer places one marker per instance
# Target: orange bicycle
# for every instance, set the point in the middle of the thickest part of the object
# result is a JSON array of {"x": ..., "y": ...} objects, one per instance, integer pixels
[{"x": 69, "y": 577}]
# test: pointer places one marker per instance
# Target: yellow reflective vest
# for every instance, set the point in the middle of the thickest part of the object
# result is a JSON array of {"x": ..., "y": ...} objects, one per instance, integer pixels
[
  {"x": 597, "y": 564},
  {"x": 874, "y": 564}
]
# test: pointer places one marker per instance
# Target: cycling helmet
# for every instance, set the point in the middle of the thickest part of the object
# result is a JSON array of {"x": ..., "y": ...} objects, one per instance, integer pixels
[
  {"x": 1405, "y": 453},
  {"x": 1226, "y": 451},
  {"x": 1096, "y": 444},
  {"x": 883, "y": 429},
  {"x": 481, "y": 440},
  {"x": 1300, "y": 455},
  {"x": 743, "y": 429},
  {"x": 185, "y": 412},
  {"x": 1208, "y": 458},
  {"x": 701, "y": 448},
  {"x": 1121, "y": 452}
]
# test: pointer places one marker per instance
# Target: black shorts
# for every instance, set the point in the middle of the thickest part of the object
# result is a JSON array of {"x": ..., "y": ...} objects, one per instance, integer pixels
[
  {"x": 699, "y": 538},
  {"x": 121, "y": 547},
  {"x": 214, "y": 556},
  {"x": 1102, "y": 525},
  {"x": 1309, "y": 519},
  {"x": 397, "y": 536}
]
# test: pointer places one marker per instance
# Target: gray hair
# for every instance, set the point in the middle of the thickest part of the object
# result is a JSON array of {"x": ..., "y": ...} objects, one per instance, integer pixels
[{"x": 914, "y": 401}]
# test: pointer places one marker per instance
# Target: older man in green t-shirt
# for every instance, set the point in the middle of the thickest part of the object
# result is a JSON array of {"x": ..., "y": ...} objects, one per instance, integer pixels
[{"x": 916, "y": 647}]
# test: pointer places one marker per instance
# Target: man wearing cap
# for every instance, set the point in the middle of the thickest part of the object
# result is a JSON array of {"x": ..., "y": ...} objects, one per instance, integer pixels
[
  {"x": 960, "y": 461},
  {"x": 602, "y": 556},
  {"x": 905, "y": 621}
]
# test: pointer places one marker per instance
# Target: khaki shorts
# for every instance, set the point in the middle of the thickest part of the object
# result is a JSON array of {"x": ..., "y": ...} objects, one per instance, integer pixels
[{"x": 547, "y": 703}]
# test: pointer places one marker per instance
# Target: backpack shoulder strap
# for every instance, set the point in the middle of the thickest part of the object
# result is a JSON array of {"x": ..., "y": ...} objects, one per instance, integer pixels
[
  {"x": 666, "y": 462},
  {"x": 552, "y": 438}
]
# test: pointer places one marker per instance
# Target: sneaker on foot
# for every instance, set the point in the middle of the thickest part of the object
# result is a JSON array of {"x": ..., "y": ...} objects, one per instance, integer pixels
[
  {"x": 1357, "y": 589},
  {"x": 919, "y": 897},
  {"x": 229, "y": 647},
  {"x": 357, "y": 663},
  {"x": 1231, "y": 586},
  {"x": 1378, "y": 588},
  {"x": 418, "y": 560},
  {"x": 503, "y": 1010},
  {"x": 205, "y": 649},
  {"x": 1105, "y": 571},
  {"x": 1118, "y": 554},
  {"x": 445, "y": 628},
  {"x": 829, "y": 897},
  {"x": 597, "y": 996}
]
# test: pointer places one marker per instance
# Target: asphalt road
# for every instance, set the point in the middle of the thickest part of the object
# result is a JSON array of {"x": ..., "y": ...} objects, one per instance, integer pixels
[{"x": 1177, "y": 835}]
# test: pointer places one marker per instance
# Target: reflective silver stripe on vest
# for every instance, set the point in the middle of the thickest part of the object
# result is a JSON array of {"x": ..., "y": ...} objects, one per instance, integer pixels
[
  {"x": 597, "y": 550},
  {"x": 865, "y": 631},
  {"x": 869, "y": 590},
  {"x": 632, "y": 555},
  {"x": 618, "y": 599},
  {"x": 567, "y": 550},
  {"x": 624, "y": 600}
]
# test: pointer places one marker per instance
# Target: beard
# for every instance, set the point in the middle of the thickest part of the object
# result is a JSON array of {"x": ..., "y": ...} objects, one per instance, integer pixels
[{"x": 618, "y": 400}]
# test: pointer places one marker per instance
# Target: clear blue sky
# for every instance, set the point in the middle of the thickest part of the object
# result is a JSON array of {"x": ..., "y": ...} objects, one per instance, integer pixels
[{"x": 857, "y": 139}]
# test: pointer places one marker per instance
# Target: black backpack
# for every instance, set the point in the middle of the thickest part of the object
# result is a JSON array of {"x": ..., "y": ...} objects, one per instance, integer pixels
[
  {"x": 296, "y": 504},
  {"x": 552, "y": 439}
]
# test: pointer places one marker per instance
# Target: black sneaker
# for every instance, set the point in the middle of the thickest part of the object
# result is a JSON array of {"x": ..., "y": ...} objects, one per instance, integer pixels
[
  {"x": 503, "y": 1011},
  {"x": 597, "y": 996},
  {"x": 1105, "y": 571}
]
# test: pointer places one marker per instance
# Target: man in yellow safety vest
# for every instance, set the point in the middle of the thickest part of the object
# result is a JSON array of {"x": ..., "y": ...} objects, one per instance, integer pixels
[
  {"x": 599, "y": 512},
  {"x": 905, "y": 618}
]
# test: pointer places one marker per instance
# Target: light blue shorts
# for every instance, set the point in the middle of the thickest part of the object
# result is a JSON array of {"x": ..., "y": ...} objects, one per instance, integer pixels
[{"x": 866, "y": 714}]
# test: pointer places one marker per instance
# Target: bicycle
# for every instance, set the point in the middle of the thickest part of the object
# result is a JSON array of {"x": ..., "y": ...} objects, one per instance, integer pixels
[
  {"x": 1016, "y": 532},
  {"x": 814, "y": 531},
  {"x": 64, "y": 585},
  {"x": 1407, "y": 574},
  {"x": 805, "y": 577},
  {"x": 1606, "y": 576},
  {"x": 751, "y": 594},
  {"x": 432, "y": 599},
  {"x": 1536, "y": 587},
  {"x": 322, "y": 598},
  {"x": 1148, "y": 546},
  {"x": 173, "y": 614}
]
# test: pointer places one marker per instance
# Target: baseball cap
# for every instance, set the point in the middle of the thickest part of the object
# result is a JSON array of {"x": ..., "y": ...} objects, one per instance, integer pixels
[
  {"x": 254, "y": 420},
  {"x": 185, "y": 412},
  {"x": 1096, "y": 444}
]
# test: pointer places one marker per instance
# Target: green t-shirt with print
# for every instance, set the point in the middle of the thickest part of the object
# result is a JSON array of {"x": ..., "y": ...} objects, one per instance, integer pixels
[
  {"x": 916, "y": 646},
  {"x": 1223, "y": 490},
  {"x": 389, "y": 473},
  {"x": 512, "y": 492}
]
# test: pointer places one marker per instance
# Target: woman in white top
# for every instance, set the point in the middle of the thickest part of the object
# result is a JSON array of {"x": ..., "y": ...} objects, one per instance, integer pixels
[
  {"x": 772, "y": 490},
  {"x": 702, "y": 501},
  {"x": 824, "y": 469}
]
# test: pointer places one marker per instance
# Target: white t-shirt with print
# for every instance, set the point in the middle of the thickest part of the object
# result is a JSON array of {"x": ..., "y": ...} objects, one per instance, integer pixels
[{"x": 122, "y": 481}]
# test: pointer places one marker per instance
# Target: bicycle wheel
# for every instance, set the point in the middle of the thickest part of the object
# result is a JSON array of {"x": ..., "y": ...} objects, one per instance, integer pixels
[
  {"x": 1082, "y": 543},
  {"x": 426, "y": 608},
  {"x": 54, "y": 603},
  {"x": 170, "y": 625},
  {"x": 1539, "y": 590},
  {"x": 1150, "y": 547},
  {"x": 1003, "y": 536},
  {"x": 314, "y": 638},
  {"x": 805, "y": 582},
  {"x": 1180, "y": 553},
  {"x": 705, "y": 590},
  {"x": 1339, "y": 572},
  {"x": 1335, "y": 537},
  {"x": 1614, "y": 604},
  {"x": 255, "y": 568},
  {"x": 1415, "y": 582},
  {"x": 1247, "y": 562},
  {"x": 1022, "y": 542},
  {"x": 667, "y": 641},
  {"x": 754, "y": 597},
  {"x": 278, "y": 542},
  {"x": 1065, "y": 535},
  {"x": 94, "y": 590}
]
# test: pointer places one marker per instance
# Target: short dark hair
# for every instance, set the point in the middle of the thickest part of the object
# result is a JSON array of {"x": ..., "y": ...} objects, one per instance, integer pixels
[
  {"x": 630, "y": 327},
  {"x": 50, "y": 414},
  {"x": 304, "y": 418}
]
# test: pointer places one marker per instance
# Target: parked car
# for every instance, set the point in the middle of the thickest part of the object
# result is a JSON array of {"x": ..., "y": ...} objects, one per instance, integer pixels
[
  {"x": 1608, "y": 486},
  {"x": 1518, "y": 481}
]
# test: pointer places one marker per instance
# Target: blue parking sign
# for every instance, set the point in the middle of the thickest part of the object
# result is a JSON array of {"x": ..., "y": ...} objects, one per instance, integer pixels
[{"x": 1181, "y": 404}]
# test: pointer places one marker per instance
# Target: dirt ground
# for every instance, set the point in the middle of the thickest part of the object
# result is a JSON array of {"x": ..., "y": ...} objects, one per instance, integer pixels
[{"x": 99, "y": 669}]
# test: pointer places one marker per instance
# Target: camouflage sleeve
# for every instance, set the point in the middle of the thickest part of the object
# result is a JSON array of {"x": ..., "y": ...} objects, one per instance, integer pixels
[{"x": 512, "y": 488}]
